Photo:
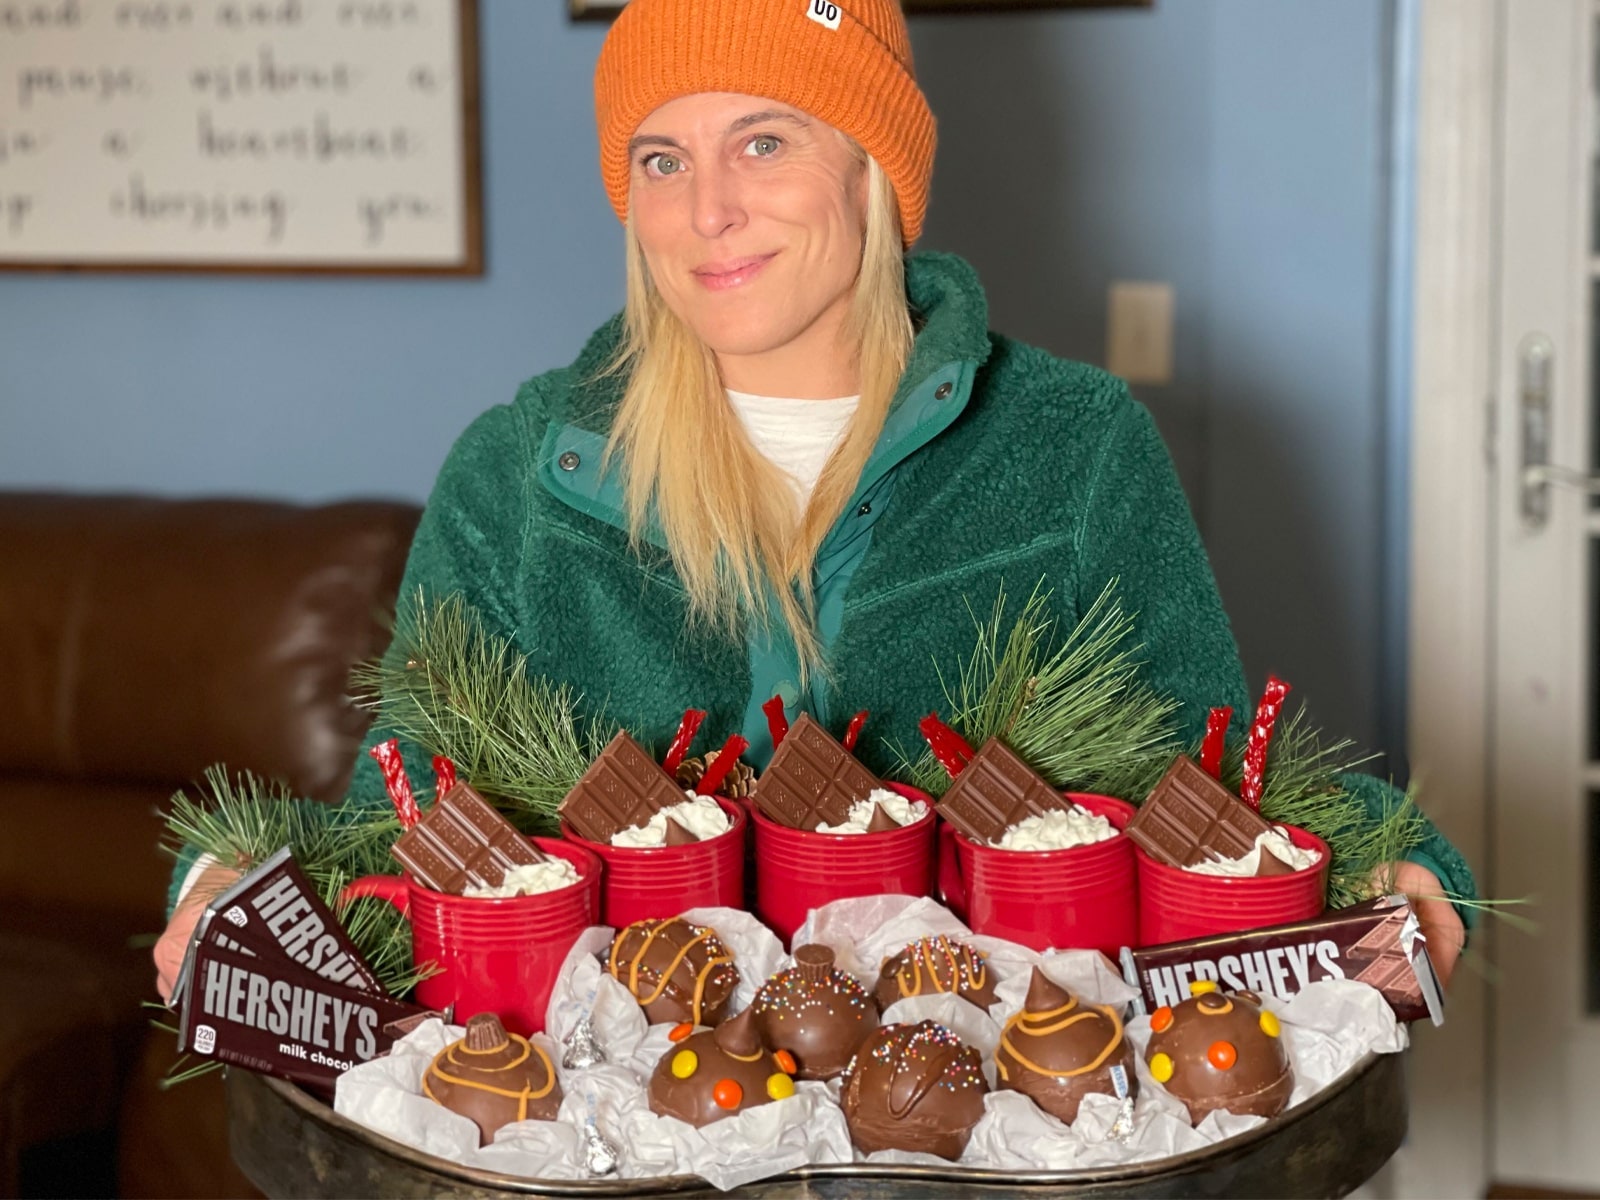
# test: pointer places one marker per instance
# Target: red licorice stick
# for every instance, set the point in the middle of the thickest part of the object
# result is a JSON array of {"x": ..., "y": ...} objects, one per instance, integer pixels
[
  {"x": 777, "y": 723},
  {"x": 1216, "y": 736},
  {"x": 394, "y": 779},
  {"x": 444, "y": 774},
  {"x": 717, "y": 770},
  {"x": 1255, "y": 755},
  {"x": 683, "y": 739},
  {"x": 854, "y": 730},
  {"x": 948, "y": 746}
]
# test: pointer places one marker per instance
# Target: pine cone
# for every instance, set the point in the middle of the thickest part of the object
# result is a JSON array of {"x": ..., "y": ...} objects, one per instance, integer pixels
[{"x": 741, "y": 781}]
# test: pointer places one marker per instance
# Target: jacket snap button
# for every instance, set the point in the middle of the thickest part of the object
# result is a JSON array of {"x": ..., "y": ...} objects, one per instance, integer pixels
[
  {"x": 863, "y": 510},
  {"x": 942, "y": 392},
  {"x": 569, "y": 461}
]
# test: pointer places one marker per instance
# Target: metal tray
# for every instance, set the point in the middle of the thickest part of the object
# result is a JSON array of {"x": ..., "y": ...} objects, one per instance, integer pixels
[{"x": 290, "y": 1144}]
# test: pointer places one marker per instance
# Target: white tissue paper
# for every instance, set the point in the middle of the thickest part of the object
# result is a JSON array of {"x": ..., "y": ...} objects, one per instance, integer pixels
[{"x": 1327, "y": 1029}]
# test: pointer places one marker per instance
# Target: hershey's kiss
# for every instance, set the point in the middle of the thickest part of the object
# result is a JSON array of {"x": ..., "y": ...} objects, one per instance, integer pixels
[
  {"x": 678, "y": 835},
  {"x": 1045, "y": 994},
  {"x": 485, "y": 1033},
  {"x": 739, "y": 1035},
  {"x": 1271, "y": 864},
  {"x": 881, "y": 821},
  {"x": 583, "y": 1047},
  {"x": 599, "y": 1155}
]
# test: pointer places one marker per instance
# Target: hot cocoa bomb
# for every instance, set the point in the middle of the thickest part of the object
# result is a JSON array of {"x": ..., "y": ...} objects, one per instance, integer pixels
[
  {"x": 493, "y": 1078},
  {"x": 1057, "y": 1050},
  {"x": 932, "y": 965},
  {"x": 714, "y": 1073},
  {"x": 914, "y": 1087},
  {"x": 677, "y": 971},
  {"x": 1220, "y": 1050},
  {"x": 816, "y": 1012}
]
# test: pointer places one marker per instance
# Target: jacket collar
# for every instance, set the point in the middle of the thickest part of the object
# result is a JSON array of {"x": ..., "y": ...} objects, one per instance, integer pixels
[{"x": 952, "y": 343}]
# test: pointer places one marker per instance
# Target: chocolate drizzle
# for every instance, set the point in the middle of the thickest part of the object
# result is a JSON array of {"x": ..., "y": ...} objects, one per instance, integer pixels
[
  {"x": 913, "y": 1087},
  {"x": 935, "y": 964},
  {"x": 677, "y": 971},
  {"x": 1056, "y": 1050},
  {"x": 493, "y": 1078}
]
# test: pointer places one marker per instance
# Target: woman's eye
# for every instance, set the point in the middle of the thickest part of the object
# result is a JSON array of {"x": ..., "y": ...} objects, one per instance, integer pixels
[
  {"x": 662, "y": 164},
  {"x": 764, "y": 145}
]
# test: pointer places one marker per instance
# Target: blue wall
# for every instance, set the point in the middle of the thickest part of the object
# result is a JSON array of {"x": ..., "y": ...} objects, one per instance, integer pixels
[{"x": 1233, "y": 147}]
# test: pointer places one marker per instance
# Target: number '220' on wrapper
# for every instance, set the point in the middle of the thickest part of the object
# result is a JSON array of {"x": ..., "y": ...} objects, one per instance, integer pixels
[{"x": 1379, "y": 943}]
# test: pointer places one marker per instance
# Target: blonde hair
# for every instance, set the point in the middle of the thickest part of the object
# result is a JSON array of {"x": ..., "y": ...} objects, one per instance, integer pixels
[{"x": 726, "y": 512}]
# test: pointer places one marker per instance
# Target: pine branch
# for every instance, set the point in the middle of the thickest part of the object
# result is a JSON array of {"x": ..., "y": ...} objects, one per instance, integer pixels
[
  {"x": 455, "y": 689},
  {"x": 1074, "y": 708}
]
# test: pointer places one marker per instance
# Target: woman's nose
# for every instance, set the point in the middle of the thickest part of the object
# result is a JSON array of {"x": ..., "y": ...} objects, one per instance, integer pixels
[{"x": 718, "y": 205}]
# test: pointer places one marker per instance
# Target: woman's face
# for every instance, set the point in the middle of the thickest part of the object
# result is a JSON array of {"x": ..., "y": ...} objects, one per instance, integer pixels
[{"x": 751, "y": 216}]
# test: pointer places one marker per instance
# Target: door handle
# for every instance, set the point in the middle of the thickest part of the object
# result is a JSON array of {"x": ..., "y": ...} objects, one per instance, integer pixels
[{"x": 1535, "y": 373}]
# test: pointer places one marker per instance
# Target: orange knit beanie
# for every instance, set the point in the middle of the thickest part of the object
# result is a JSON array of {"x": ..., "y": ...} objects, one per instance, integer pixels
[{"x": 846, "y": 62}]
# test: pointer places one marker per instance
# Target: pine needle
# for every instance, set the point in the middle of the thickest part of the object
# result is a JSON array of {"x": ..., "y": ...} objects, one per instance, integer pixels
[
  {"x": 459, "y": 691},
  {"x": 1073, "y": 707}
]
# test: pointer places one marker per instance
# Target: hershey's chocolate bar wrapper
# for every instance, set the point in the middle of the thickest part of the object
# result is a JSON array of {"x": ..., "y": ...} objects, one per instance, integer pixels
[
  {"x": 271, "y": 1016},
  {"x": 1378, "y": 942},
  {"x": 275, "y": 910}
]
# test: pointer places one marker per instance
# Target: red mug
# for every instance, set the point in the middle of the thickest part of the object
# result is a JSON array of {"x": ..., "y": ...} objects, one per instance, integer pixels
[
  {"x": 798, "y": 870},
  {"x": 499, "y": 955},
  {"x": 1085, "y": 897},
  {"x": 1176, "y": 905},
  {"x": 645, "y": 882}
]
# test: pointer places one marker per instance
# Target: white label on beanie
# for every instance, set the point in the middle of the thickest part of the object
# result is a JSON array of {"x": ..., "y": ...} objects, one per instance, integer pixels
[{"x": 823, "y": 12}]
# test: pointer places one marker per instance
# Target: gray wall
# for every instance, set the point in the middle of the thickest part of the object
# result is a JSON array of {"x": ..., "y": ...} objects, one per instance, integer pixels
[{"x": 1233, "y": 147}]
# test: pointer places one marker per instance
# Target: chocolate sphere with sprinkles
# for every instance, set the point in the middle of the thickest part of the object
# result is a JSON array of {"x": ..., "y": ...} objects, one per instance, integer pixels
[
  {"x": 816, "y": 1012},
  {"x": 914, "y": 1087},
  {"x": 935, "y": 964}
]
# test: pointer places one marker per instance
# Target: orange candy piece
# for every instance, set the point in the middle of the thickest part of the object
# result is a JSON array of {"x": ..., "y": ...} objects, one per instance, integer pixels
[
  {"x": 1222, "y": 1055},
  {"x": 785, "y": 1062},
  {"x": 727, "y": 1093},
  {"x": 1161, "y": 1019},
  {"x": 680, "y": 1031}
]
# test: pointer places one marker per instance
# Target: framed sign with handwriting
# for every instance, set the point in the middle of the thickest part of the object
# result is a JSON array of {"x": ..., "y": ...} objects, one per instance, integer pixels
[{"x": 240, "y": 135}]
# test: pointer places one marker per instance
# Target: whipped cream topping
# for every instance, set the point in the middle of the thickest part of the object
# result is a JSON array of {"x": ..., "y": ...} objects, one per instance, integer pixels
[
  {"x": 1058, "y": 829},
  {"x": 700, "y": 815},
  {"x": 531, "y": 879},
  {"x": 1274, "y": 841},
  {"x": 901, "y": 811}
]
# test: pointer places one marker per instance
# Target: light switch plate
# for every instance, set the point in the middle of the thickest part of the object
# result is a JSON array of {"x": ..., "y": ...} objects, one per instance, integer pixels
[{"x": 1139, "y": 331}]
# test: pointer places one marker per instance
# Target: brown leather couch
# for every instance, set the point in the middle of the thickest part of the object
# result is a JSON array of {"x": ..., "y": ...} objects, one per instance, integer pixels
[{"x": 142, "y": 640}]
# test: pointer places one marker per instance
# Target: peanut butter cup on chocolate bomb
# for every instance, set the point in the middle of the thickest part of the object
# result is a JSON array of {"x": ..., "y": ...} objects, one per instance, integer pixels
[
  {"x": 677, "y": 971},
  {"x": 914, "y": 1087},
  {"x": 932, "y": 965},
  {"x": 1220, "y": 1050},
  {"x": 816, "y": 1012},
  {"x": 714, "y": 1073},
  {"x": 1058, "y": 1050},
  {"x": 493, "y": 1078}
]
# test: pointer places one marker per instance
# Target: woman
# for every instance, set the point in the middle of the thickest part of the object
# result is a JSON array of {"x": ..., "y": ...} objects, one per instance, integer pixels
[{"x": 787, "y": 462}]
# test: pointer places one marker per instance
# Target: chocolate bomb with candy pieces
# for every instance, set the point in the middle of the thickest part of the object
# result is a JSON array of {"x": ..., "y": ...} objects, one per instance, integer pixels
[
  {"x": 710, "y": 1074},
  {"x": 914, "y": 1087},
  {"x": 493, "y": 1078},
  {"x": 677, "y": 971},
  {"x": 1220, "y": 1050},
  {"x": 932, "y": 965},
  {"x": 815, "y": 1012},
  {"x": 1058, "y": 1050}
]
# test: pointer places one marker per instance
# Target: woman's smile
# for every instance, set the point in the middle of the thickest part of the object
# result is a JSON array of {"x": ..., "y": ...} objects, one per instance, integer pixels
[{"x": 732, "y": 273}]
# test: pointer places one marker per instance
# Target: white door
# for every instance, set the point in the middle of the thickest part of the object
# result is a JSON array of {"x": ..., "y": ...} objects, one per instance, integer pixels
[{"x": 1544, "y": 557}]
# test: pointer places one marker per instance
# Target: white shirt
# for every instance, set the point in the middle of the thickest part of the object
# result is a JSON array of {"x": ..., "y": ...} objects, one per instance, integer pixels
[{"x": 797, "y": 436}]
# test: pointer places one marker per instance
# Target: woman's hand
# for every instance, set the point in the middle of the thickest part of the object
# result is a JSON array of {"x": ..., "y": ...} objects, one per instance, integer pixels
[
  {"x": 174, "y": 943},
  {"x": 1440, "y": 922}
]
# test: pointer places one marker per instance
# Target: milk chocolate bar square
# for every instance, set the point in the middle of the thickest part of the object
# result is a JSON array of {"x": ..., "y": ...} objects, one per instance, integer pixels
[
  {"x": 624, "y": 787},
  {"x": 994, "y": 791},
  {"x": 462, "y": 842},
  {"x": 1190, "y": 817},
  {"x": 812, "y": 780}
]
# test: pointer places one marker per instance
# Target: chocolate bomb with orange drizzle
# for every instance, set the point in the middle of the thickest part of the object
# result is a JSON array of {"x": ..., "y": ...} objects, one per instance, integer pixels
[
  {"x": 1220, "y": 1050},
  {"x": 1057, "y": 1050},
  {"x": 710, "y": 1074},
  {"x": 932, "y": 965},
  {"x": 816, "y": 1012},
  {"x": 914, "y": 1087},
  {"x": 493, "y": 1078},
  {"x": 677, "y": 971}
]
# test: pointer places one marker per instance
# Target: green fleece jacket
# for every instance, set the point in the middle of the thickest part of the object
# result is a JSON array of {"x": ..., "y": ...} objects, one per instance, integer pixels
[{"x": 998, "y": 464}]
